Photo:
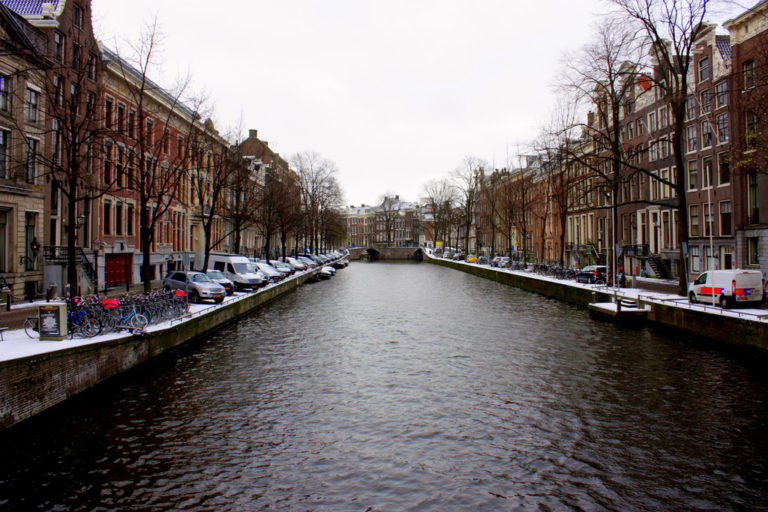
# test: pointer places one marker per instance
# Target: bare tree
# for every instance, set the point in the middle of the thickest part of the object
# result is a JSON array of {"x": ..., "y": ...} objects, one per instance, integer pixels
[
  {"x": 316, "y": 177},
  {"x": 441, "y": 199},
  {"x": 467, "y": 181},
  {"x": 672, "y": 27},
  {"x": 159, "y": 169}
]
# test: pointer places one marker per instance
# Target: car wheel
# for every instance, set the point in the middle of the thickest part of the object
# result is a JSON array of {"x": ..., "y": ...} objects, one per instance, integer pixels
[
  {"x": 724, "y": 303},
  {"x": 692, "y": 298},
  {"x": 193, "y": 297}
]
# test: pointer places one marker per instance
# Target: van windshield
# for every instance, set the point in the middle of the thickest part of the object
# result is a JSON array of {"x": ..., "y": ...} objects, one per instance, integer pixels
[{"x": 241, "y": 268}]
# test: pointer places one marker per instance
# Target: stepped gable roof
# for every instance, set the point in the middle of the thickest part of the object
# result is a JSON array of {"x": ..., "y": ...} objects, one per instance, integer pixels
[{"x": 723, "y": 44}]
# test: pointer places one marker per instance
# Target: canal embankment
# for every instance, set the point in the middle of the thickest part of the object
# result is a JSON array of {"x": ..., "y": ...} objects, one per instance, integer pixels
[
  {"x": 735, "y": 326},
  {"x": 36, "y": 375}
]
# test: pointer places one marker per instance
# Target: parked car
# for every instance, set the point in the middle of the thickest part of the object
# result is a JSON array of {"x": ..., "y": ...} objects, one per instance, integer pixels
[
  {"x": 728, "y": 288},
  {"x": 238, "y": 270},
  {"x": 282, "y": 266},
  {"x": 482, "y": 260},
  {"x": 297, "y": 264},
  {"x": 218, "y": 277},
  {"x": 591, "y": 274},
  {"x": 197, "y": 285},
  {"x": 269, "y": 270}
]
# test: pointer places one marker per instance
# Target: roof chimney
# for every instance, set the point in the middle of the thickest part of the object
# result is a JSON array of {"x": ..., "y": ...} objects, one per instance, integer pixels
[{"x": 253, "y": 133}]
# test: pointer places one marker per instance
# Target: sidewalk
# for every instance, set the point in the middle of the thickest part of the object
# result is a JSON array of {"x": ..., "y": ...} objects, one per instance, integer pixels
[{"x": 14, "y": 319}]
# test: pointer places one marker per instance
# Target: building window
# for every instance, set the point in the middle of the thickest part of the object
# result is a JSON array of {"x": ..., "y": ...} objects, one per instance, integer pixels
[
  {"x": 692, "y": 138},
  {"x": 693, "y": 215},
  {"x": 58, "y": 46},
  {"x": 3, "y": 240},
  {"x": 652, "y": 126},
  {"x": 74, "y": 98},
  {"x": 107, "y": 164},
  {"x": 724, "y": 165},
  {"x": 706, "y": 134},
  {"x": 748, "y": 72},
  {"x": 690, "y": 108},
  {"x": 33, "y": 105},
  {"x": 707, "y": 219},
  {"x": 5, "y": 93},
  {"x": 640, "y": 127},
  {"x": 753, "y": 198},
  {"x": 118, "y": 218},
  {"x": 90, "y": 104},
  {"x": 706, "y": 101},
  {"x": 30, "y": 160},
  {"x": 751, "y": 119},
  {"x": 120, "y": 117},
  {"x": 30, "y": 221},
  {"x": 150, "y": 135},
  {"x": 55, "y": 141},
  {"x": 108, "y": 113},
  {"x": 722, "y": 128},
  {"x": 653, "y": 150},
  {"x": 119, "y": 175},
  {"x": 721, "y": 92},
  {"x": 4, "y": 154},
  {"x": 704, "y": 69},
  {"x": 693, "y": 175},
  {"x": 107, "y": 217},
  {"x": 695, "y": 259},
  {"x": 129, "y": 219},
  {"x": 76, "y": 55},
  {"x": 725, "y": 218},
  {"x": 707, "y": 175},
  {"x": 753, "y": 250},
  {"x": 663, "y": 117},
  {"x": 132, "y": 124},
  {"x": 77, "y": 16},
  {"x": 92, "y": 66}
]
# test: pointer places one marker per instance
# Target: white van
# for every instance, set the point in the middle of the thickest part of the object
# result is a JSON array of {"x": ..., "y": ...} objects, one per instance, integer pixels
[
  {"x": 728, "y": 288},
  {"x": 237, "y": 269}
]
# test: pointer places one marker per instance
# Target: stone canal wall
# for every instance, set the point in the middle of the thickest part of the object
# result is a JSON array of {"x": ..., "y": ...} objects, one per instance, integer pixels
[
  {"x": 717, "y": 327},
  {"x": 33, "y": 384}
]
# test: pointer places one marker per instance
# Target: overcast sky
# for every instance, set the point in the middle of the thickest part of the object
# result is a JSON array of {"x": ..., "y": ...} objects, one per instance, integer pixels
[{"x": 395, "y": 92}]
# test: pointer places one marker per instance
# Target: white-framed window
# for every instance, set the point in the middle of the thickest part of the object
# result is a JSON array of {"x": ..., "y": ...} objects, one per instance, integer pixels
[
  {"x": 707, "y": 173},
  {"x": 653, "y": 151},
  {"x": 704, "y": 69},
  {"x": 30, "y": 160},
  {"x": 722, "y": 128},
  {"x": 5, "y": 137},
  {"x": 33, "y": 105},
  {"x": 706, "y": 134},
  {"x": 108, "y": 112},
  {"x": 748, "y": 74},
  {"x": 692, "y": 139},
  {"x": 725, "y": 218},
  {"x": 652, "y": 124},
  {"x": 724, "y": 168},
  {"x": 706, "y": 101},
  {"x": 693, "y": 175},
  {"x": 107, "y": 217},
  {"x": 5, "y": 93},
  {"x": 695, "y": 259},
  {"x": 693, "y": 218},
  {"x": 721, "y": 93},
  {"x": 690, "y": 108},
  {"x": 663, "y": 117}
]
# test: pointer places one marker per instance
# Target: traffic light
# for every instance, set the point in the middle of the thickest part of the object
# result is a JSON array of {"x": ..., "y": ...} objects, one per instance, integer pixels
[{"x": 34, "y": 246}]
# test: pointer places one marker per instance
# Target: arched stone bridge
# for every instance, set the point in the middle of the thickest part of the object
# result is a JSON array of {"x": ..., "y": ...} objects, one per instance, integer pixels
[{"x": 386, "y": 253}]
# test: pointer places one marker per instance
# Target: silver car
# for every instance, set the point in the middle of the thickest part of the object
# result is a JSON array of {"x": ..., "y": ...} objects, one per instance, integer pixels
[{"x": 197, "y": 285}]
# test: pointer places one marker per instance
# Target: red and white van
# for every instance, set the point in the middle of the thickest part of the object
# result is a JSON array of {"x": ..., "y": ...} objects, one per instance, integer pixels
[{"x": 728, "y": 288}]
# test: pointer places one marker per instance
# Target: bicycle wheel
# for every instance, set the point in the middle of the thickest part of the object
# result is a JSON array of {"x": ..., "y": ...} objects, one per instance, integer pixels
[
  {"x": 139, "y": 321},
  {"x": 90, "y": 327},
  {"x": 30, "y": 327}
]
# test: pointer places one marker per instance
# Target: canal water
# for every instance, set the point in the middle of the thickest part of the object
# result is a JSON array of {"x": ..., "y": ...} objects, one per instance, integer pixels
[{"x": 409, "y": 387}]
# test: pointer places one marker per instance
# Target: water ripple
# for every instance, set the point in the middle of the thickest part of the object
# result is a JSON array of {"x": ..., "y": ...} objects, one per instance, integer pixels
[{"x": 409, "y": 387}]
